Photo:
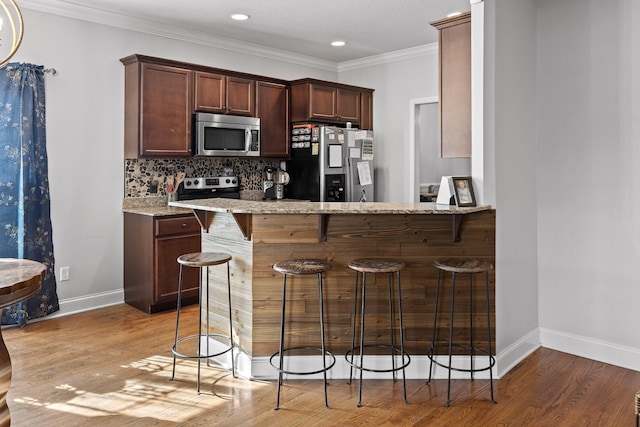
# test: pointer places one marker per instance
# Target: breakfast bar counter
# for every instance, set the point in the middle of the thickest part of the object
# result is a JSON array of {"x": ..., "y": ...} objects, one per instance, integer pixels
[{"x": 259, "y": 233}]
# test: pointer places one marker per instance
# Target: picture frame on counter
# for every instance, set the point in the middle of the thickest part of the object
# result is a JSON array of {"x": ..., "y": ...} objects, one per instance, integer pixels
[{"x": 463, "y": 190}]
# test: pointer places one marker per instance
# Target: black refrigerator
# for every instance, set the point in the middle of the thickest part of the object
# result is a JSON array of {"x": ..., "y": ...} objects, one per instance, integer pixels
[{"x": 331, "y": 164}]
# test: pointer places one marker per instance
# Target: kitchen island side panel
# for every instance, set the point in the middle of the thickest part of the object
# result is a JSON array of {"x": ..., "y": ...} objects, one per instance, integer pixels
[
  {"x": 415, "y": 239},
  {"x": 223, "y": 235}
]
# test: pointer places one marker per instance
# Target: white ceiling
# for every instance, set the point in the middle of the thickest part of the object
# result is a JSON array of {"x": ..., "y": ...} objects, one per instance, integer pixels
[{"x": 370, "y": 27}]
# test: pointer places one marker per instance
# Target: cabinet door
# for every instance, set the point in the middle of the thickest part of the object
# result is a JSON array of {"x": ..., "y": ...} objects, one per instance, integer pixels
[
  {"x": 166, "y": 100},
  {"x": 455, "y": 86},
  {"x": 210, "y": 92},
  {"x": 347, "y": 105},
  {"x": 167, "y": 269},
  {"x": 322, "y": 102},
  {"x": 240, "y": 96},
  {"x": 366, "y": 111},
  {"x": 273, "y": 110}
]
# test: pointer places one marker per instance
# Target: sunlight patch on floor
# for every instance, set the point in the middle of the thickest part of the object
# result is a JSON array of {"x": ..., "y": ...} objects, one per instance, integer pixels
[{"x": 151, "y": 394}]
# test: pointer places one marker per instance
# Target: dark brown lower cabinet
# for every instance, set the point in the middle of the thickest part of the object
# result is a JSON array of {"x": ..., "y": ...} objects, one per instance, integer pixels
[{"x": 151, "y": 248}]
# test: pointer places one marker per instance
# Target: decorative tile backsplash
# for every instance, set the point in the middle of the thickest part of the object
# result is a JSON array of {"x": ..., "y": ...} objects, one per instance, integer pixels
[{"x": 139, "y": 173}]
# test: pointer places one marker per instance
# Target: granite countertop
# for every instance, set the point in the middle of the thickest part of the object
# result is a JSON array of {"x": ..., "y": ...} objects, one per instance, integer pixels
[
  {"x": 304, "y": 207},
  {"x": 151, "y": 206}
]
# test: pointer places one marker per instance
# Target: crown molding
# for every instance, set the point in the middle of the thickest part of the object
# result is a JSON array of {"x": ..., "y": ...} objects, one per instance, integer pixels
[
  {"x": 84, "y": 13},
  {"x": 385, "y": 58},
  {"x": 70, "y": 9}
]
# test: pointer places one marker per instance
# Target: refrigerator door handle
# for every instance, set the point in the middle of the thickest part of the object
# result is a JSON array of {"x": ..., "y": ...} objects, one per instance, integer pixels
[{"x": 349, "y": 193}]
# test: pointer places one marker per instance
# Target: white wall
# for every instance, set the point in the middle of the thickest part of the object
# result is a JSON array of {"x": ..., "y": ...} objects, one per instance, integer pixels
[
  {"x": 85, "y": 121},
  {"x": 510, "y": 125},
  {"x": 588, "y": 157}
]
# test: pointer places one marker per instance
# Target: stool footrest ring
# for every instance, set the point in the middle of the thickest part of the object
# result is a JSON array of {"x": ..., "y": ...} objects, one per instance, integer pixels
[
  {"x": 396, "y": 351},
  {"x": 174, "y": 349},
  {"x": 481, "y": 352},
  {"x": 284, "y": 371}
]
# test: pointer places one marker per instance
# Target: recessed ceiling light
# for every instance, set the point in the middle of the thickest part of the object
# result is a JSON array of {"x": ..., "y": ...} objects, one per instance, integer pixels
[
  {"x": 452, "y": 14},
  {"x": 338, "y": 43},
  {"x": 240, "y": 16}
]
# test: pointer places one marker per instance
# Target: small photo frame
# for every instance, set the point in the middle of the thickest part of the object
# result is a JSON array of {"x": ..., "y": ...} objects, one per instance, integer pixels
[{"x": 463, "y": 188}]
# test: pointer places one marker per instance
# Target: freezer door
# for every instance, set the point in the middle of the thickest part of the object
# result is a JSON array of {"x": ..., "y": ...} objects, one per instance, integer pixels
[{"x": 359, "y": 160}]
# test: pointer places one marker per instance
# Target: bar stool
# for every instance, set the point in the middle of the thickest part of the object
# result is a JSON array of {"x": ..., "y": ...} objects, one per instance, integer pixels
[
  {"x": 302, "y": 267},
  {"x": 462, "y": 266},
  {"x": 200, "y": 260},
  {"x": 363, "y": 266}
]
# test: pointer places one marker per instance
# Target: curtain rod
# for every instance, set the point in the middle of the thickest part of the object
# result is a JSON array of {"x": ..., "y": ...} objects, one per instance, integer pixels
[{"x": 52, "y": 71}]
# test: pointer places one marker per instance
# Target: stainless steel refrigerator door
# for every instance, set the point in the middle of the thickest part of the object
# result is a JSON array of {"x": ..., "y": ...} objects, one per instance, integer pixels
[
  {"x": 332, "y": 151},
  {"x": 359, "y": 159}
]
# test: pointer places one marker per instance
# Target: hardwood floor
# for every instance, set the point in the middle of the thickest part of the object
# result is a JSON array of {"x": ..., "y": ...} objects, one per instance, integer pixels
[{"x": 111, "y": 367}]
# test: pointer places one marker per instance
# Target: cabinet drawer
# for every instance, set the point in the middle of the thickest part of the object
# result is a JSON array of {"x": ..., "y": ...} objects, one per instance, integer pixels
[{"x": 187, "y": 224}]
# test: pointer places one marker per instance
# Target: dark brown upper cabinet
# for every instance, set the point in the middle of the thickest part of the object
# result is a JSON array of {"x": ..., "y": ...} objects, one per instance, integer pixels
[
  {"x": 218, "y": 93},
  {"x": 272, "y": 107},
  {"x": 316, "y": 100},
  {"x": 158, "y": 109}
]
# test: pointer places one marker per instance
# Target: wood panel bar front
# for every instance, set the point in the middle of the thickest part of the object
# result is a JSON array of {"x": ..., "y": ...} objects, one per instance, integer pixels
[{"x": 416, "y": 239}]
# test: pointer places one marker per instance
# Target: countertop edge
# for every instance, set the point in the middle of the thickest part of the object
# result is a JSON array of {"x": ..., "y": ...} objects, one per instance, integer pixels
[{"x": 327, "y": 208}]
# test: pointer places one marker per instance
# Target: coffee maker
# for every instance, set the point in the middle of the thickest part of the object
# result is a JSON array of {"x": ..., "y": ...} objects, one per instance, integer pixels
[{"x": 268, "y": 185}]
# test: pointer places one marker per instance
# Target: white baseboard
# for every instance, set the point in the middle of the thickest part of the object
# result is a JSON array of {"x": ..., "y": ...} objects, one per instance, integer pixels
[
  {"x": 517, "y": 352},
  {"x": 85, "y": 303},
  {"x": 602, "y": 351}
]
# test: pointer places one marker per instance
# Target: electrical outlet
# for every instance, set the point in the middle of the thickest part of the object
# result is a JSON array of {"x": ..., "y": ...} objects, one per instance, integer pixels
[{"x": 64, "y": 274}]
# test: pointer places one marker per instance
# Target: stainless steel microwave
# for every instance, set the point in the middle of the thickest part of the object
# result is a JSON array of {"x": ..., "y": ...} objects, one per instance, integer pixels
[{"x": 224, "y": 135}]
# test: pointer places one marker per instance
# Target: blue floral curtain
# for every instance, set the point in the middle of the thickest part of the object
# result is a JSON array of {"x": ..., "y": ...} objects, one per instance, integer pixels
[{"x": 24, "y": 184}]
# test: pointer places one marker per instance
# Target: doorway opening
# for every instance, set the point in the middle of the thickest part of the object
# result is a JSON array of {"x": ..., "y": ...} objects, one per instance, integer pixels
[{"x": 426, "y": 167}]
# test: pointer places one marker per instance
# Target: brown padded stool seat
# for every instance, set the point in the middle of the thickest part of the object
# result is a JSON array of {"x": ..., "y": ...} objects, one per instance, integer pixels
[
  {"x": 461, "y": 266},
  {"x": 302, "y": 267},
  {"x": 203, "y": 260},
  {"x": 363, "y": 266}
]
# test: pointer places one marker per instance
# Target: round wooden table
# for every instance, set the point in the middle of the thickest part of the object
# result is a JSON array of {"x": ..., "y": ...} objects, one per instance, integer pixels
[{"x": 19, "y": 280}]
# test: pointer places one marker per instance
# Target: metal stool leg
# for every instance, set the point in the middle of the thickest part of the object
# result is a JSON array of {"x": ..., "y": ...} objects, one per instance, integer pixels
[
  {"x": 489, "y": 335},
  {"x": 435, "y": 323},
  {"x": 404, "y": 377},
  {"x": 364, "y": 285},
  {"x": 281, "y": 362},
  {"x": 200, "y": 323},
  {"x": 324, "y": 360},
  {"x": 471, "y": 325},
  {"x": 393, "y": 341},
  {"x": 233, "y": 365},
  {"x": 453, "y": 296},
  {"x": 175, "y": 342},
  {"x": 353, "y": 333}
]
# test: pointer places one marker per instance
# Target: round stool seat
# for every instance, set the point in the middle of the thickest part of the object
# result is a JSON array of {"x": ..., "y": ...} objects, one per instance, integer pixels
[
  {"x": 203, "y": 259},
  {"x": 302, "y": 266},
  {"x": 376, "y": 265},
  {"x": 462, "y": 265}
]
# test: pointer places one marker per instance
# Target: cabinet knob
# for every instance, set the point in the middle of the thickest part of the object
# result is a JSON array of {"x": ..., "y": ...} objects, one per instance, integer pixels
[{"x": 184, "y": 225}]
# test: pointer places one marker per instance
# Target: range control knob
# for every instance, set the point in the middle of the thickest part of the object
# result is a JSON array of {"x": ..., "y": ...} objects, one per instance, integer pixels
[
  {"x": 187, "y": 183},
  {"x": 227, "y": 180},
  {"x": 196, "y": 182}
]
